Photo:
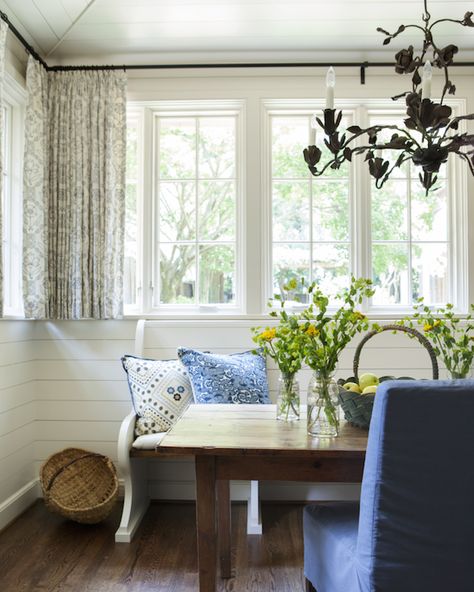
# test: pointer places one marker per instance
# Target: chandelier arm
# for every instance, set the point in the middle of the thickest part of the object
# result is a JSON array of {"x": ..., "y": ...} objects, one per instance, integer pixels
[
  {"x": 468, "y": 160},
  {"x": 361, "y": 149},
  {"x": 445, "y": 20},
  {"x": 328, "y": 164},
  {"x": 437, "y": 52},
  {"x": 388, "y": 173},
  {"x": 456, "y": 120},
  {"x": 379, "y": 128}
]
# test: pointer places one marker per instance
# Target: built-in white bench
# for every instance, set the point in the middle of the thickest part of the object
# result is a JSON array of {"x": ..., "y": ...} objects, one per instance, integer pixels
[{"x": 151, "y": 341}]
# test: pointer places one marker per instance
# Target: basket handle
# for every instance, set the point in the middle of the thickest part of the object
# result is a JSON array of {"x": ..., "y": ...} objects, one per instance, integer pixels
[
  {"x": 71, "y": 462},
  {"x": 421, "y": 338}
]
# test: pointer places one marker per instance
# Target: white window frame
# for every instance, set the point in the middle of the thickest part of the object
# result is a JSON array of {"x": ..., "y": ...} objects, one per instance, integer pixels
[
  {"x": 14, "y": 100},
  {"x": 360, "y": 187},
  {"x": 144, "y": 113}
]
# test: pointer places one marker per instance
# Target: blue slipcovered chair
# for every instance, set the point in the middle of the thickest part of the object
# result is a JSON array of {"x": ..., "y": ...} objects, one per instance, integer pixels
[{"x": 415, "y": 528}]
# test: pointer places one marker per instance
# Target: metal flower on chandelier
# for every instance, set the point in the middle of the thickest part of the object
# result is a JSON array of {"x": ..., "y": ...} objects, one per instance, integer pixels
[{"x": 429, "y": 134}]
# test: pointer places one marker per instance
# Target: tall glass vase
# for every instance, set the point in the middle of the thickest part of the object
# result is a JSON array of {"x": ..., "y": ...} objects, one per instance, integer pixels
[
  {"x": 323, "y": 406},
  {"x": 457, "y": 375},
  {"x": 288, "y": 402}
]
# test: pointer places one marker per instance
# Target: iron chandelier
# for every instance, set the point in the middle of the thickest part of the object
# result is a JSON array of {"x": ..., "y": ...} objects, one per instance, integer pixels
[{"x": 429, "y": 134}]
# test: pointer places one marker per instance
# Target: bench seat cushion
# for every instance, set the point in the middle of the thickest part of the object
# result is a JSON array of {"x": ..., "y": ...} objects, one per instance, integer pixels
[{"x": 149, "y": 441}]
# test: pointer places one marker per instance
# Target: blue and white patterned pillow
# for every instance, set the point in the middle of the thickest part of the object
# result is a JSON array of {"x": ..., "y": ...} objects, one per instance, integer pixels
[
  {"x": 160, "y": 391},
  {"x": 218, "y": 378}
]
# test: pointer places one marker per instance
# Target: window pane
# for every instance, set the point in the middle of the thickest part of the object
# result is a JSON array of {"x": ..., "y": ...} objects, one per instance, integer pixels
[
  {"x": 290, "y": 262},
  {"x": 389, "y": 211},
  {"x": 414, "y": 261},
  {"x": 429, "y": 214},
  {"x": 330, "y": 210},
  {"x": 131, "y": 218},
  {"x": 177, "y": 274},
  {"x": 130, "y": 263},
  {"x": 197, "y": 210},
  {"x": 331, "y": 267},
  {"x": 132, "y": 151},
  {"x": 217, "y": 147},
  {"x": 307, "y": 209},
  {"x": 216, "y": 274},
  {"x": 289, "y": 138},
  {"x": 390, "y": 274},
  {"x": 290, "y": 211},
  {"x": 177, "y": 148},
  {"x": 177, "y": 210},
  {"x": 430, "y": 272},
  {"x": 217, "y": 210}
]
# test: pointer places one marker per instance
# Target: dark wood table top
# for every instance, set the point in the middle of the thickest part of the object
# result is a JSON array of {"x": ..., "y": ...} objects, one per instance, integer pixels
[{"x": 233, "y": 430}]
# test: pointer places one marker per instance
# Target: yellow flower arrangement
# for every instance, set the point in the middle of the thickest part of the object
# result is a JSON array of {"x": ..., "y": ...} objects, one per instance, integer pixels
[{"x": 449, "y": 334}]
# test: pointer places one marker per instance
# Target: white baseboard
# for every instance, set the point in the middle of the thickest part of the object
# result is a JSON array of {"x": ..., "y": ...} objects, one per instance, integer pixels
[{"x": 17, "y": 503}]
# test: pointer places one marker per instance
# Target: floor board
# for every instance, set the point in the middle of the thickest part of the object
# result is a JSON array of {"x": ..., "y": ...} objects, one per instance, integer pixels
[{"x": 41, "y": 552}]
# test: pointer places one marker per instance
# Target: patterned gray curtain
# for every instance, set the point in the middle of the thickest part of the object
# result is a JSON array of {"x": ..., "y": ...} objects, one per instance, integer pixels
[
  {"x": 3, "y": 42},
  {"x": 74, "y": 194}
]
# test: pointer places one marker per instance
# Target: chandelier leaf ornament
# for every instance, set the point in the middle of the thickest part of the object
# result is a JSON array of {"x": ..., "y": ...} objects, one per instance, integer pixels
[{"x": 429, "y": 134}]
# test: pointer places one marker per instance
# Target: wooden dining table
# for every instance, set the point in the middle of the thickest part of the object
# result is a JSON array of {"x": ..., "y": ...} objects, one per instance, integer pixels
[{"x": 247, "y": 442}]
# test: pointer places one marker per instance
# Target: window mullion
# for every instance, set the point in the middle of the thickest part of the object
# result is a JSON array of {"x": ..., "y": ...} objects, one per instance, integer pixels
[{"x": 197, "y": 297}]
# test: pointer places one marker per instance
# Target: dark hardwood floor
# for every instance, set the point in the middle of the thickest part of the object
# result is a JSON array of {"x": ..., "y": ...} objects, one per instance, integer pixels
[{"x": 41, "y": 552}]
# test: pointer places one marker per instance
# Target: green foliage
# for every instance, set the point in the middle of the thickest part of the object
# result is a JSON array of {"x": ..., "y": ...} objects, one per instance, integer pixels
[
  {"x": 325, "y": 334},
  {"x": 451, "y": 336},
  {"x": 315, "y": 334},
  {"x": 284, "y": 342}
]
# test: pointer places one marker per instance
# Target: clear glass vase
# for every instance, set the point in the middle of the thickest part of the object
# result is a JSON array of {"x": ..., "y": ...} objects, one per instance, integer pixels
[
  {"x": 323, "y": 406},
  {"x": 288, "y": 402},
  {"x": 459, "y": 375}
]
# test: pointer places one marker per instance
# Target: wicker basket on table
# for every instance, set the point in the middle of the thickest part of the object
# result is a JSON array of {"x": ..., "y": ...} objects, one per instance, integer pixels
[
  {"x": 358, "y": 408},
  {"x": 80, "y": 485}
]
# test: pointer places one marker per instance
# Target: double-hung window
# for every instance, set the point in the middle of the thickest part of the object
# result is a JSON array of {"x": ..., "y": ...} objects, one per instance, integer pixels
[
  {"x": 191, "y": 183},
  {"x": 326, "y": 228}
]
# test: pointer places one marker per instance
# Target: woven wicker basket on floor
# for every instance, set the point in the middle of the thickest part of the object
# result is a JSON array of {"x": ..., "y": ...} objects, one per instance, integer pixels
[
  {"x": 358, "y": 408},
  {"x": 80, "y": 485}
]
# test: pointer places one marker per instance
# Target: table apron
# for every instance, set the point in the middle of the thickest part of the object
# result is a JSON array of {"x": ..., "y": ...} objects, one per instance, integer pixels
[{"x": 265, "y": 468}]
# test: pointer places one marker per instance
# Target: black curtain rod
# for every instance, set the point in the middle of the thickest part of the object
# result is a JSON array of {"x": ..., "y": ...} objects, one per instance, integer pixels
[
  {"x": 232, "y": 65},
  {"x": 361, "y": 65}
]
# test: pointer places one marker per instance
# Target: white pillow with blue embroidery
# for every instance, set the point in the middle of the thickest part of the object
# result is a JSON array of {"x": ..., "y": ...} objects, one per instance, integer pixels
[
  {"x": 160, "y": 391},
  {"x": 219, "y": 378}
]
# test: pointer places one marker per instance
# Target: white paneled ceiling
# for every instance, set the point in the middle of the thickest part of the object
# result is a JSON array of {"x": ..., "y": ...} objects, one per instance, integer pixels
[{"x": 135, "y": 31}]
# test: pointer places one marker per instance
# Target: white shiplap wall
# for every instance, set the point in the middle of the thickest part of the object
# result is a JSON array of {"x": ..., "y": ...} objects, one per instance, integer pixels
[
  {"x": 82, "y": 394},
  {"x": 17, "y": 419}
]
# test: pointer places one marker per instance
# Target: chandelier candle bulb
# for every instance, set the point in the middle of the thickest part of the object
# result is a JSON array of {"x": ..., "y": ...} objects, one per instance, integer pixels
[
  {"x": 330, "y": 84},
  {"x": 427, "y": 76}
]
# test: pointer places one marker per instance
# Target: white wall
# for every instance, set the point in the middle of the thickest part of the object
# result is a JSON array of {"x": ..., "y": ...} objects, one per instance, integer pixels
[{"x": 17, "y": 419}]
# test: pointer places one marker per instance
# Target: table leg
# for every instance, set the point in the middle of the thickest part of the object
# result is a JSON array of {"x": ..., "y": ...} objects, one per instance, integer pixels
[
  {"x": 206, "y": 521},
  {"x": 224, "y": 527}
]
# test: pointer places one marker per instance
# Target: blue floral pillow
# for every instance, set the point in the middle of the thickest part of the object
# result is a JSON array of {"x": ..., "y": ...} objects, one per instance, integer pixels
[{"x": 218, "y": 378}]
